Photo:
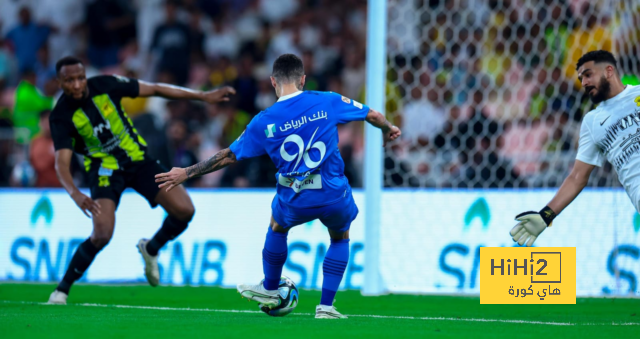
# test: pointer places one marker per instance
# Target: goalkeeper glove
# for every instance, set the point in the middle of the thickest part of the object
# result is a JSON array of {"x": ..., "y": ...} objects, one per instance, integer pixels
[{"x": 531, "y": 224}]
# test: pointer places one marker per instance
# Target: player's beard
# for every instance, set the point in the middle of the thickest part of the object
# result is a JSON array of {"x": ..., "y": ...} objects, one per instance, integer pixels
[{"x": 602, "y": 92}]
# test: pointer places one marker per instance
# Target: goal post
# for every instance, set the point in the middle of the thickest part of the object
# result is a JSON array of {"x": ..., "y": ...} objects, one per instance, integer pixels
[{"x": 375, "y": 98}]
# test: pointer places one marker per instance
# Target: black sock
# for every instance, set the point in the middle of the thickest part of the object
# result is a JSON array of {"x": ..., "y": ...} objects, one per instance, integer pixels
[
  {"x": 171, "y": 228},
  {"x": 81, "y": 260}
]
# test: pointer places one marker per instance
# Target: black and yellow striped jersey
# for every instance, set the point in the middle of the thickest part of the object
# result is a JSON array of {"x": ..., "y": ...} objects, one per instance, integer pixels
[{"x": 97, "y": 126}]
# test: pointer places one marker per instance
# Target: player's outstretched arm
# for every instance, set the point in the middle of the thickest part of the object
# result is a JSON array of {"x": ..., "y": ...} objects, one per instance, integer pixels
[
  {"x": 179, "y": 175},
  {"x": 389, "y": 131},
  {"x": 63, "y": 171},
  {"x": 531, "y": 224},
  {"x": 148, "y": 89}
]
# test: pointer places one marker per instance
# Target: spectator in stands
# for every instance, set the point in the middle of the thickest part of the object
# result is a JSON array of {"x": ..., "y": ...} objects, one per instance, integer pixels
[
  {"x": 29, "y": 102},
  {"x": 64, "y": 18},
  {"x": 43, "y": 68},
  {"x": 6, "y": 149},
  {"x": 353, "y": 73},
  {"x": 171, "y": 45},
  {"x": 489, "y": 170},
  {"x": 590, "y": 34},
  {"x": 106, "y": 20},
  {"x": 180, "y": 154},
  {"x": 424, "y": 117},
  {"x": 27, "y": 38},
  {"x": 246, "y": 85},
  {"x": 222, "y": 42},
  {"x": 6, "y": 65},
  {"x": 315, "y": 80},
  {"x": 42, "y": 155}
]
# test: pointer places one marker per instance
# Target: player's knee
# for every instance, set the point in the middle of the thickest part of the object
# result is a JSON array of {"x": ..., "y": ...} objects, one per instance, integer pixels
[
  {"x": 100, "y": 239},
  {"x": 338, "y": 235},
  {"x": 277, "y": 228},
  {"x": 184, "y": 213}
]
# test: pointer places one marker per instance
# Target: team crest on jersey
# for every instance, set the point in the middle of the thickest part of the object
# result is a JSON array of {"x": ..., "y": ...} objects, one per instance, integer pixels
[
  {"x": 346, "y": 100},
  {"x": 637, "y": 101}
]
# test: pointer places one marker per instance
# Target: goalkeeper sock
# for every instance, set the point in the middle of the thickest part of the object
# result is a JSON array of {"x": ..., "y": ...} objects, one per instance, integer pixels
[
  {"x": 274, "y": 255},
  {"x": 333, "y": 267},
  {"x": 81, "y": 260}
]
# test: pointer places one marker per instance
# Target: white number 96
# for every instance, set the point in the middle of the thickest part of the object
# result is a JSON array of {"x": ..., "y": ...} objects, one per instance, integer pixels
[{"x": 302, "y": 152}]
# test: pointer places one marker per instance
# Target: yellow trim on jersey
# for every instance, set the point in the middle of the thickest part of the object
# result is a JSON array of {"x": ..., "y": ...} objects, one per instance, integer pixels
[
  {"x": 94, "y": 147},
  {"x": 140, "y": 139},
  {"x": 110, "y": 113}
]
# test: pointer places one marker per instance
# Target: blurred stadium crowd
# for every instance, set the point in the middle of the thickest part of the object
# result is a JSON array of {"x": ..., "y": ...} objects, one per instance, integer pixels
[{"x": 485, "y": 90}]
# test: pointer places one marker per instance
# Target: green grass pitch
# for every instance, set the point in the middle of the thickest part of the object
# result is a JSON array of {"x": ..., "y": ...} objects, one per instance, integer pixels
[{"x": 206, "y": 312}]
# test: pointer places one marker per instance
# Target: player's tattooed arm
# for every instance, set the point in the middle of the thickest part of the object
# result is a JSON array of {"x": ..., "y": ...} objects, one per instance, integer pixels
[
  {"x": 218, "y": 161},
  {"x": 378, "y": 120},
  {"x": 177, "y": 175},
  {"x": 389, "y": 131}
]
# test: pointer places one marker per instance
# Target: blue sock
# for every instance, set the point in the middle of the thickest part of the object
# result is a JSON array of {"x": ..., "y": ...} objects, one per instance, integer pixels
[
  {"x": 335, "y": 262},
  {"x": 274, "y": 255}
]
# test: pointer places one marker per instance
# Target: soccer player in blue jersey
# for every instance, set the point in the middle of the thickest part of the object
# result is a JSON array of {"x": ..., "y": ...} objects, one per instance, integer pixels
[{"x": 299, "y": 133}]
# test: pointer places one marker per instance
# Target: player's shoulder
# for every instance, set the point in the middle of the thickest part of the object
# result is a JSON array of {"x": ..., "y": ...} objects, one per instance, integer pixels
[
  {"x": 62, "y": 110},
  {"x": 259, "y": 117},
  {"x": 634, "y": 90},
  {"x": 591, "y": 115},
  {"x": 316, "y": 93},
  {"x": 107, "y": 82},
  {"x": 321, "y": 94},
  {"x": 100, "y": 79},
  {"x": 596, "y": 117}
]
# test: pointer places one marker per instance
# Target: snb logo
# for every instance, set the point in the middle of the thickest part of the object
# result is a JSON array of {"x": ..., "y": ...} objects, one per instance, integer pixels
[
  {"x": 303, "y": 153},
  {"x": 98, "y": 129}
]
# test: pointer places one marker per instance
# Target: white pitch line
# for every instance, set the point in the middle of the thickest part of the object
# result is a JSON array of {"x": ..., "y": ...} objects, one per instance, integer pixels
[{"x": 158, "y": 308}]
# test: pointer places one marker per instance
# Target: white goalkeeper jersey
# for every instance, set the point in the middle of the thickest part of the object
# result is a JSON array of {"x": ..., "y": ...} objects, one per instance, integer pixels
[{"x": 612, "y": 132}]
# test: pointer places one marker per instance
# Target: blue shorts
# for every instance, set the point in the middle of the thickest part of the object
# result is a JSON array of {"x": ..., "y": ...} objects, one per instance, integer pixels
[{"x": 337, "y": 216}]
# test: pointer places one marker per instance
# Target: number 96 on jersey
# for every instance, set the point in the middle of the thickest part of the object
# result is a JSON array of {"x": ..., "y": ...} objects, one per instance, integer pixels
[{"x": 527, "y": 275}]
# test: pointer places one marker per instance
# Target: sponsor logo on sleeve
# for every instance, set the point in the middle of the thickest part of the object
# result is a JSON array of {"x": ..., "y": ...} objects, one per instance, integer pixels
[
  {"x": 357, "y": 104},
  {"x": 346, "y": 100}
]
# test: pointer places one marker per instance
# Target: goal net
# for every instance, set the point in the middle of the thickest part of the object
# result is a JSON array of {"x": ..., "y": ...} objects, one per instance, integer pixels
[
  {"x": 487, "y": 92},
  {"x": 490, "y": 106}
]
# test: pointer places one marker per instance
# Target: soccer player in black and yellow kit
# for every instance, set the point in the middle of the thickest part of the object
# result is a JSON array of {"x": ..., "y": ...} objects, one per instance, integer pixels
[{"x": 88, "y": 119}]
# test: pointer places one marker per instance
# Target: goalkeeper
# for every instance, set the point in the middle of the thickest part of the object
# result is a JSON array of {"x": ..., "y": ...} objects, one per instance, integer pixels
[{"x": 611, "y": 132}]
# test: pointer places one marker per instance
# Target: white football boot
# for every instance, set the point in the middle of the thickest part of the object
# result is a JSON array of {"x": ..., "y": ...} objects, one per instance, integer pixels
[
  {"x": 151, "y": 270},
  {"x": 260, "y": 294},
  {"x": 328, "y": 312},
  {"x": 57, "y": 298}
]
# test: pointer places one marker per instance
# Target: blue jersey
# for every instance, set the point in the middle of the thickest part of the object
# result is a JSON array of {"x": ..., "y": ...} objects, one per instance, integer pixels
[{"x": 300, "y": 134}]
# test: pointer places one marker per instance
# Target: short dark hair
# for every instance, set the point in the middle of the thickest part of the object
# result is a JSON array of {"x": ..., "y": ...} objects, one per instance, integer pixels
[
  {"x": 67, "y": 61},
  {"x": 597, "y": 57},
  {"x": 287, "y": 69}
]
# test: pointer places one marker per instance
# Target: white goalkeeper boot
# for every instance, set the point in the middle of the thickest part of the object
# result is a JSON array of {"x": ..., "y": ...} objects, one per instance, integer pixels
[
  {"x": 260, "y": 294},
  {"x": 57, "y": 298},
  {"x": 328, "y": 312},
  {"x": 151, "y": 270}
]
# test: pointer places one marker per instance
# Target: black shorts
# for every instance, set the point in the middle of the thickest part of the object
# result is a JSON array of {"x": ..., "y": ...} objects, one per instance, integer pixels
[{"x": 109, "y": 184}]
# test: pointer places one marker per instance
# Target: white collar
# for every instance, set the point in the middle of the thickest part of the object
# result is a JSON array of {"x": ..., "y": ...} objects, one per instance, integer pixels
[{"x": 294, "y": 94}]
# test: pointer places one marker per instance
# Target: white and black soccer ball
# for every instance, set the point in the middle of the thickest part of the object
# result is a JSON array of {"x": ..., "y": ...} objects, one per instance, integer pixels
[{"x": 288, "y": 294}]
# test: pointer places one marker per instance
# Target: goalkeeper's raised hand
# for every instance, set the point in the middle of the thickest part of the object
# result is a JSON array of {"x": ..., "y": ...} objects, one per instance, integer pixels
[{"x": 530, "y": 225}]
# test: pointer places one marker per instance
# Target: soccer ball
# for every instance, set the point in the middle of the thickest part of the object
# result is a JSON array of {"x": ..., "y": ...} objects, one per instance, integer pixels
[{"x": 288, "y": 299}]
